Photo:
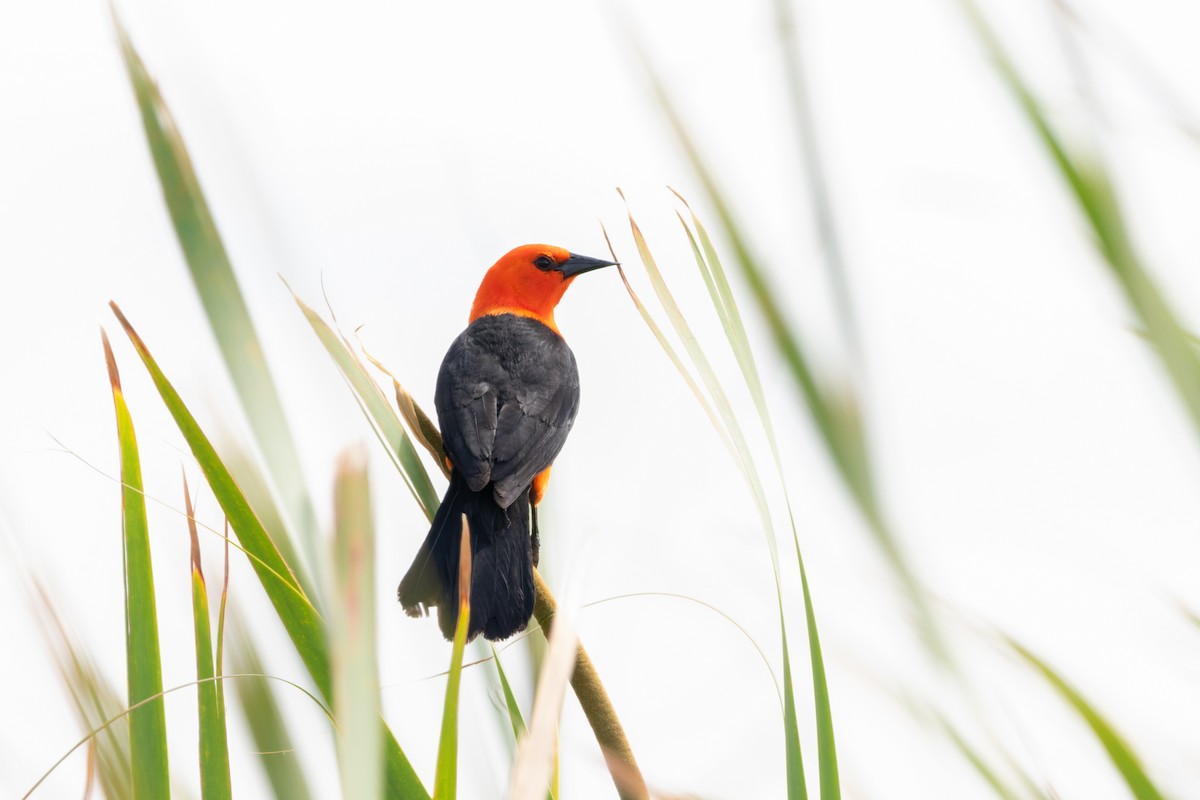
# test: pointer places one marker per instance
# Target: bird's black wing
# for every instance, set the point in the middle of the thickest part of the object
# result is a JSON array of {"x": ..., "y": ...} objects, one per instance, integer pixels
[{"x": 507, "y": 396}]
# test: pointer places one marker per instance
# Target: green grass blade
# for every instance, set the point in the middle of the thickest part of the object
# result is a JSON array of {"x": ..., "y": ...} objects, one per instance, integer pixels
[
  {"x": 214, "y": 744},
  {"x": 989, "y": 775},
  {"x": 726, "y": 306},
  {"x": 834, "y": 413},
  {"x": 385, "y": 422},
  {"x": 301, "y": 620},
  {"x": 515, "y": 717},
  {"x": 445, "y": 786},
  {"x": 1119, "y": 752},
  {"x": 221, "y": 297},
  {"x": 745, "y": 461},
  {"x": 791, "y": 731},
  {"x": 147, "y": 725},
  {"x": 268, "y": 730},
  {"x": 355, "y": 670},
  {"x": 1093, "y": 191}
]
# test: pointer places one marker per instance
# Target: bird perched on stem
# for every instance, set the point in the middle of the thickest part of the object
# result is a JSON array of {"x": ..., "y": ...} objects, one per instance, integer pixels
[{"x": 506, "y": 397}]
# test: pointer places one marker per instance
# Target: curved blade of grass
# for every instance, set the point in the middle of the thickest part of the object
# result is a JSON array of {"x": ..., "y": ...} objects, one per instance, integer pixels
[
  {"x": 834, "y": 413},
  {"x": 355, "y": 670},
  {"x": 510, "y": 700},
  {"x": 268, "y": 730},
  {"x": 301, "y": 620},
  {"x": 148, "y": 726},
  {"x": 445, "y": 785},
  {"x": 735, "y": 331},
  {"x": 672, "y": 355},
  {"x": 383, "y": 418},
  {"x": 211, "y": 271},
  {"x": 1119, "y": 752},
  {"x": 517, "y": 719},
  {"x": 989, "y": 775},
  {"x": 214, "y": 745},
  {"x": 94, "y": 698},
  {"x": 1093, "y": 191},
  {"x": 745, "y": 461}
]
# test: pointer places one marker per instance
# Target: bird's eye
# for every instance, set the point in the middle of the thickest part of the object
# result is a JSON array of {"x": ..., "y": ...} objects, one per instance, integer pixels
[{"x": 544, "y": 263}]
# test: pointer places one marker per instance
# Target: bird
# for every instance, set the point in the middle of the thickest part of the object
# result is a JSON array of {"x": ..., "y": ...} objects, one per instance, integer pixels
[{"x": 506, "y": 397}]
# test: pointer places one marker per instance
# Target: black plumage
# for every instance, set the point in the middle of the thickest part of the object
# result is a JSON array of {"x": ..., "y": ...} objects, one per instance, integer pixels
[{"x": 507, "y": 395}]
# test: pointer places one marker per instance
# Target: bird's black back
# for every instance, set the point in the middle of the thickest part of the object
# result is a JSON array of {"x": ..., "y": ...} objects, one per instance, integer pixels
[{"x": 507, "y": 395}]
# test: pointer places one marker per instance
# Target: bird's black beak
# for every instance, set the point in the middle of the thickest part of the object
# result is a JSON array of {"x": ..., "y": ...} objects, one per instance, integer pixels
[{"x": 577, "y": 265}]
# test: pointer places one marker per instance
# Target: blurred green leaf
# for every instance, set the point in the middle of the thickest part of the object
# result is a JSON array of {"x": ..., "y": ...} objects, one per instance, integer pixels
[
  {"x": 355, "y": 674},
  {"x": 814, "y": 169},
  {"x": 148, "y": 724},
  {"x": 214, "y": 744},
  {"x": 375, "y": 407},
  {"x": 989, "y": 775},
  {"x": 1093, "y": 190},
  {"x": 302, "y": 621},
  {"x": 445, "y": 786},
  {"x": 269, "y": 731},
  {"x": 1119, "y": 752},
  {"x": 95, "y": 700},
  {"x": 228, "y": 315}
]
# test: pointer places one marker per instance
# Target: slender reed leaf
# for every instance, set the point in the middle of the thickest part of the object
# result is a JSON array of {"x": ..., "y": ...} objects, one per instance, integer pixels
[
  {"x": 834, "y": 411},
  {"x": 510, "y": 700},
  {"x": 745, "y": 461},
  {"x": 1119, "y": 752},
  {"x": 726, "y": 306},
  {"x": 147, "y": 726},
  {"x": 214, "y": 744},
  {"x": 355, "y": 670},
  {"x": 301, "y": 620},
  {"x": 1091, "y": 187},
  {"x": 226, "y": 309},
  {"x": 268, "y": 730},
  {"x": 375, "y": 407},
  {"x": 985, "y": 770},
  {"x": 445, "y": 786}
]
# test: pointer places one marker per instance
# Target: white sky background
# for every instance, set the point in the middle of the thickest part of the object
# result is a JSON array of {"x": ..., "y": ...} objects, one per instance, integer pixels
[{"x": 1033, "y": 455}]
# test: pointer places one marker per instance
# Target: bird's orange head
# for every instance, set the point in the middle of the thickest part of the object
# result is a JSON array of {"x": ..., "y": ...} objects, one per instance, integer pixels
[{"x": 529, "y": 281}]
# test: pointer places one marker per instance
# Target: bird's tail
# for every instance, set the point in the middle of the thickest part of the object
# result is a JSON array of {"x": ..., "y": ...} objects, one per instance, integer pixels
[{"x": 501, "y": 564}]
